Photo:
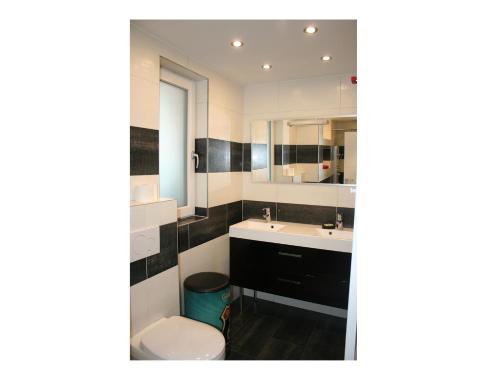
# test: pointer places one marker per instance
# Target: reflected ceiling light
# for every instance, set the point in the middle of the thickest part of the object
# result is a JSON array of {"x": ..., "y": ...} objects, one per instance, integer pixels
[
  {"x": 326, "y": 58},
  {"x": 266, "y": 66},
  {"x": 311, "y": 30},
  {"x": 236, "y": 43},
  {"x": 307, "y": 122}
]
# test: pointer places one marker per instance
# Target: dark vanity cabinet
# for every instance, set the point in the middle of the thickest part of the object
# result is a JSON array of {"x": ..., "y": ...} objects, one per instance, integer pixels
[{"x": 312, "y": 275}]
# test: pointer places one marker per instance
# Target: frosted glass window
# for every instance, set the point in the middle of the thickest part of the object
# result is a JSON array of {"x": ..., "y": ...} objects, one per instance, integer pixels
[{"x": 173, "y": 143}]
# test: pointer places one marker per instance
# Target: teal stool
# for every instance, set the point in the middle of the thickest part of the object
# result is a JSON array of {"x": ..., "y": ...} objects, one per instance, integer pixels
[{"x": 207, "y": 298}]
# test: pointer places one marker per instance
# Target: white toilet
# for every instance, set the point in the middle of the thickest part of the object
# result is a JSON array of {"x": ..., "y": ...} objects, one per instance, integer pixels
[{"x": 178, "y": 338}]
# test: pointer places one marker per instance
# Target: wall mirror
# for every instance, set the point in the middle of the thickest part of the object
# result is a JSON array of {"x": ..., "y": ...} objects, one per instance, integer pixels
[{"x": 315, "y": 150}]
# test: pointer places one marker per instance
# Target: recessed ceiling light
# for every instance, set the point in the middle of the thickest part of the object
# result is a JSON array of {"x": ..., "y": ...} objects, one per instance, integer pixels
[
  {"x": 326, "y": 58},
  {"x": 311, "y": 30},
  {"x": 266, "y": 66},
  {"x": 237, "y": 43}
]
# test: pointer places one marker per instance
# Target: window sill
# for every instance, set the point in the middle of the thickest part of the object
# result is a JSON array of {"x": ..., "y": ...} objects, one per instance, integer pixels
[{"x": 190, "y": 219}]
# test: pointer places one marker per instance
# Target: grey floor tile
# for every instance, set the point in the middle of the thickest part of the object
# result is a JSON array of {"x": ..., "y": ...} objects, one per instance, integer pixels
[
  {"x": 277, "y": 349},
  {"x": 234, "y": 355},
  {"x": 251, "y": 338},
  {"x": 295, "y": 330},
  {"x": 279, "y": 332},
  {"x": 324, "y": 345}
]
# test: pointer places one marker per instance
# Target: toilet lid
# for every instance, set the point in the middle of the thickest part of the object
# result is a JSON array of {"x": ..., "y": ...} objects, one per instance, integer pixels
[{"x": 180, "y": 338}]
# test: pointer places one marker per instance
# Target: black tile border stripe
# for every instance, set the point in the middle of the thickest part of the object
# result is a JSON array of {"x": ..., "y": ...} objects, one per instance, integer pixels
[
  {"x": 298, "y": 213},
  {"x": 144, "y": 151}
]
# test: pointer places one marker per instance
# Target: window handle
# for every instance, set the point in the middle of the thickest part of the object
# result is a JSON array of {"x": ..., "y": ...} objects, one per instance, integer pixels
[{"x": 195, "y": 156}]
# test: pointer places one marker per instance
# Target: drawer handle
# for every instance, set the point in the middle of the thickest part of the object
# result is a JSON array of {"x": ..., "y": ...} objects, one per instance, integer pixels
[
  {"x": 289, "y": 281},
  {"x": 296, "y": 255}
]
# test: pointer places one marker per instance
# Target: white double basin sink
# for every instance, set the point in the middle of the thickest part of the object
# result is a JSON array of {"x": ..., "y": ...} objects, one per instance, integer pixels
[{"x": 302, "y": 235}]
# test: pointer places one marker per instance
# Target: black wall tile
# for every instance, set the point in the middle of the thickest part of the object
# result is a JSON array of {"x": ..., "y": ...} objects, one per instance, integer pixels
[
  {"x": 144, "y": 151},
  {"x": 219, "y": 155},
  {"x": 200, "y": 211},
  {"x": 183, "y": 238},
  {"x": 247, "y": 157},
  {"x": 236, "y": 156},
  {"x": 212, "y": 227},
  {"x": 293, "y": 153},
  {"x": 253, "y": 209},
  {"x": 259, "y": 156},
  {"x": 310, "y": 214},
  {"x": 200, "y": 148},
  {"x": 234, "y": 212},
  {"x": 325, "y": 153},
  {"x": 137, "y": 271},
  {"x": 278, "y": 155},
  {"x": 307, "y": 154},
  {"x": 347, "y": 216},
  {"x": 167, "y": 257},
  {"x": 289, "y": 154}
]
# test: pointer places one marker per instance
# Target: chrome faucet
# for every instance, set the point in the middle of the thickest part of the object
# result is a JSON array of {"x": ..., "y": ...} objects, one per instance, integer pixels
[
  {"x": 340, "y": 224},
  {"x": 267, "y": 214}
]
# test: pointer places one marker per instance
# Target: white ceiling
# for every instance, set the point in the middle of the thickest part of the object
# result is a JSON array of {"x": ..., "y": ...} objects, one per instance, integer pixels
[{"x": 281, "y": 43}]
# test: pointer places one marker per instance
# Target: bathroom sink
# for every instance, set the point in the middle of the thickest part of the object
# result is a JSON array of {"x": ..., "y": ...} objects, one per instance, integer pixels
[
  {"x": 298, "y": 234},
  {"x": 335, "y": 234},
  {"x": 263, "y": 226}
]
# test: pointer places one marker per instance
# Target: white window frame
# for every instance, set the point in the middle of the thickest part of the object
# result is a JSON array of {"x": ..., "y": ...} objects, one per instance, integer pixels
[{"x": 182, "y": 82}]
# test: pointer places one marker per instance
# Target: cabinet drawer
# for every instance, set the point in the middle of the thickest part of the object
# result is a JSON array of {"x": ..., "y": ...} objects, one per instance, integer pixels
[
  {"x": 319, "y": 289},
  {"x": 300, "y": 260}
]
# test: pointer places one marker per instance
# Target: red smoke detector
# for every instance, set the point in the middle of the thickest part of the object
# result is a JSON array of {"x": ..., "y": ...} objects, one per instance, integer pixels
[{"x": 354, "y": 80}]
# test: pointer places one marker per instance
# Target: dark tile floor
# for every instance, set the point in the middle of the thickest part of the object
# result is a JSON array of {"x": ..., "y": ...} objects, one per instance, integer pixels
[{"x": 271, "y": 331}]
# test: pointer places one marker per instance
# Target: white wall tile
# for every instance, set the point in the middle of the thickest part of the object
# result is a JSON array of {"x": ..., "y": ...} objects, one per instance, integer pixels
[
  {"x": 137, "y": 217},
  {"x": 236, "y": 126},
  {"x": 225, "y": 93},
  {"x": 167, "y": 212},
  {"x": 201, "y": 190},
  {"x": 135, "y": 180},
  {"x": 346, "y": 196},
  {"x": 321, "y": 194},
  {"x": 154, "y": 298},
  {"x": 202, "y": 91},
  {"x": 309, "y": 94},
  {"x": 139, "y": 307},
  {"x": 348, "y": 92},
  {"x": 144, "y": 243},
  {"x": 261, "y": 98},
  {"x": 144, "y": 103},
  {"x": 258, "y": 191},
  {"x": 216, "y": 93},
  {"x": 224, "y": 187},
  {"x": 219, "y": 122},
  {"x": 201, "y": 120},
  {"x": 348, "y": 111},
  {"x": 144, "y": 61},
  {"x": 164, "y": 299},
  {"x": 224, "y": 124},
  {"x": 234, "y": 97},
  {"x": 247, "y": 133},
  {"x": 153, "y": 214}
]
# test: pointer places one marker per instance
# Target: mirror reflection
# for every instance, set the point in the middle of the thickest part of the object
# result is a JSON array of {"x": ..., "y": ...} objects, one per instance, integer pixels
[{"x": 319, "y": 150}]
